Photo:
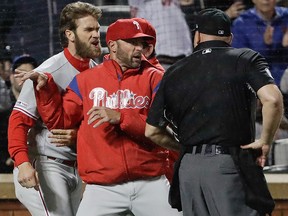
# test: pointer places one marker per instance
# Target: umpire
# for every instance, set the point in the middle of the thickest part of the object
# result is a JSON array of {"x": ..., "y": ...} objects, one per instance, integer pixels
[{"x": 210, "y": 98}]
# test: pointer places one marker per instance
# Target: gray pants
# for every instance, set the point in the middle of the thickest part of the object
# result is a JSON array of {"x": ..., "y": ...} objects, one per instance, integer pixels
[
  {"x": 147, "y": 197},
  {"x": 211, "y": 186}
]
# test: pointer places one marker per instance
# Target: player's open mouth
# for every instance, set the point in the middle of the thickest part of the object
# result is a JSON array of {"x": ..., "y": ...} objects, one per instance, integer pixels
[
  {"x": 137, "y": 58},
  {"x": 137, "y": 55},
  {"x": 96, "y": 44}
]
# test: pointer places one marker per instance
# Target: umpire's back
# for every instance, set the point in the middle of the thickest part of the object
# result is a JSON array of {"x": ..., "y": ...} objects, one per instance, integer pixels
[{"x": 215, "y": 87}]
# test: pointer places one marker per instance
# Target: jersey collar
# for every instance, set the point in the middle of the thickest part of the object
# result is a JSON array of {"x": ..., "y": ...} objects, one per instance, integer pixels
[{"x": 80, "y": 65}]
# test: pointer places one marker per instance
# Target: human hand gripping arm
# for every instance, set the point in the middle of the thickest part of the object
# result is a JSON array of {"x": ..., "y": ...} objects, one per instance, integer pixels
[
  {"x": 63, "y": 137},
  {"x": 272, "y": 112}
]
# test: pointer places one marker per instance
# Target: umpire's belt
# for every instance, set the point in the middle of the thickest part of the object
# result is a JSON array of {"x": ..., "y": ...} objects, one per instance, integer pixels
[
  {"x": 207, "y": 149},
  {"x": 65, "y": 162}
]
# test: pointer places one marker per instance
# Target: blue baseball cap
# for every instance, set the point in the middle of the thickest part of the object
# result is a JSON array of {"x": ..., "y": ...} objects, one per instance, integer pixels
[{"x": 23, "y": 59}]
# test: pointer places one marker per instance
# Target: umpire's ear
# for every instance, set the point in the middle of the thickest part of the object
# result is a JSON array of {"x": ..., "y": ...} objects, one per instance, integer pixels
[
  {"x": 230, "y": 38},
  {"x": 70, "y": 35},
  {"x": 196, "y": 38}
]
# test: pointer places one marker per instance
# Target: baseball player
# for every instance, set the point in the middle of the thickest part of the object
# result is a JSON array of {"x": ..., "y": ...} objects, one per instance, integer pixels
[
  {"x": 54, "y": 172},
  {"x": 149, "y": 47},
  {"x": 111, "y": 102}
]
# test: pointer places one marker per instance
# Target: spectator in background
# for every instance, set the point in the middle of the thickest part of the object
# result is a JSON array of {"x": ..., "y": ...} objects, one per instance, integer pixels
[
  {"x": 5, "y": 106},
  {"x": 23, "y": 62},
  {"x": 5, "y": 71},
  {"x": 262, "y": 29},
  {"x": 233, "y": 8},
  {"x": 149, "y": 45},
  {"x": 174, "y": 38}
]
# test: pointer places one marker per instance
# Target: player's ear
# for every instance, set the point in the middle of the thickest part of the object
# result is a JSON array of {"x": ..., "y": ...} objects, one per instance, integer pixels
[
  {"x": 150, "y": 50},
  {"x": 112, "y": 46},
  {"x": 70, "y": 35}
]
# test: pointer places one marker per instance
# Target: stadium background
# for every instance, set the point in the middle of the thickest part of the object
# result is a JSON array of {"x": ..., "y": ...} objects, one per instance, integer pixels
[{"x": 31, "y": 26}]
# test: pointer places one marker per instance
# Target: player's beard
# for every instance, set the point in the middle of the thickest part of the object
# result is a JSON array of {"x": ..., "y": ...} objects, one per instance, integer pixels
[{"x": 86, "y": 50}]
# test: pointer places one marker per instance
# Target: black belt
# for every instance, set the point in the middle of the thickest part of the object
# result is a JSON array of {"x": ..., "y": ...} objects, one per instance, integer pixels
[
  {"x": 65, "y": 162},
  {"x": 163, "y": 59},
  {"x": 207, "y": 149}
]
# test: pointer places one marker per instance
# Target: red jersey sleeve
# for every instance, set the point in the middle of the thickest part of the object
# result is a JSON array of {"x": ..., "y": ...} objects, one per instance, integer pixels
[
  {"x": 56, "y": 110},
  {"x": 132, "y": 122},
  {"x": 19, "y": 124}
]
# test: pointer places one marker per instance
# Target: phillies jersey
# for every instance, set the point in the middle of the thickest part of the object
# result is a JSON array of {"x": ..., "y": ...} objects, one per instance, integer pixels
[
  {"x": 110, "y": 153},
  {"x": 63, "y": 67}
]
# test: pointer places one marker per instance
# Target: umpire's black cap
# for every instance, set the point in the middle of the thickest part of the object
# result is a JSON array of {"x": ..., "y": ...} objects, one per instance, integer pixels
[{"x": 213, "y": 21}]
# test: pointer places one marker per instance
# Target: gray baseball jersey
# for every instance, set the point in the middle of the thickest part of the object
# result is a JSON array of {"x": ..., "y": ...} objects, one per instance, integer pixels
[
  {"x": 60, "y": 184},
  {"x": 63, "y": 72}
]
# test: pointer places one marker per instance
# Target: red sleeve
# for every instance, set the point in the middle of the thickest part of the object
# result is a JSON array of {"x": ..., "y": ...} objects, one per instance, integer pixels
[
  {"x": 19, "y": 124},
  {"x": 132, "y": 122},
  {"x": 57, "y": 110}
]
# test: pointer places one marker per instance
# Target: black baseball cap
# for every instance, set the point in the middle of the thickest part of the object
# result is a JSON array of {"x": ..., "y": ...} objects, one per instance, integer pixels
[
  {"x": 213, "y": 21},
  {"x": 23, "y": 59}
]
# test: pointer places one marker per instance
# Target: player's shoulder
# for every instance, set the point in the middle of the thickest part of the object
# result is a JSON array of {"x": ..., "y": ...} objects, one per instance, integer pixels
[
  {"x": 54, "y": 63},
  {"x": 148, "y": 67},
  {"x": 152, "y": 71}
]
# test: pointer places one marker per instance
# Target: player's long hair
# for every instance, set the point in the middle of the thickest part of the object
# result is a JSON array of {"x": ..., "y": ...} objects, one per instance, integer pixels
[{"x": 70, "y": 13}]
